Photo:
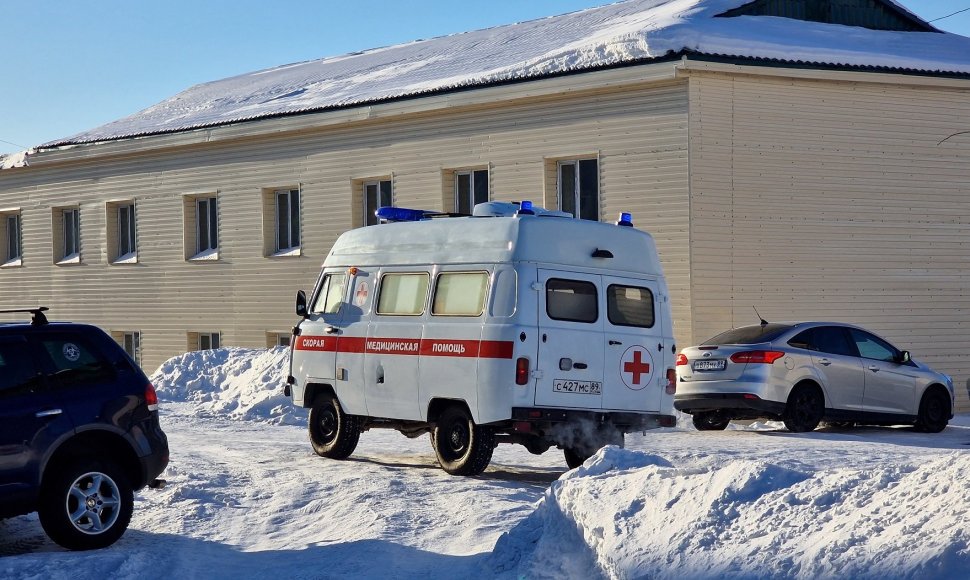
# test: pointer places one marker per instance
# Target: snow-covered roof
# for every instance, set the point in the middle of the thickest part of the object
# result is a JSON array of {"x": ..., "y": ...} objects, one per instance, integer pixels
[{"x": 626, "y": 32}]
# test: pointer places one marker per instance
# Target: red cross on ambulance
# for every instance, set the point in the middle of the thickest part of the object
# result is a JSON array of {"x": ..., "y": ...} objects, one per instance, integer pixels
[{"x": 636, "y": 366}]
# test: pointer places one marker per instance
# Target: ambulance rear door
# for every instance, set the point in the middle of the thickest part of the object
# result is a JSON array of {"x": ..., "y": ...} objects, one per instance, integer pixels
[
  {"x": 571, "y": 343},
  {"x": 634, "y": 376}
]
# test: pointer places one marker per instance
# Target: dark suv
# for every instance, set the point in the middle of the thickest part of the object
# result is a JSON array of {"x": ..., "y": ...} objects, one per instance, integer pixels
[{"x": 79, "y": 430}]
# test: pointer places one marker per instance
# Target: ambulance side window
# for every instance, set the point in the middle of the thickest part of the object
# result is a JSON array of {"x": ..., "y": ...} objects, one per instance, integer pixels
[
  {"x": 331, "y": 294},
  {"x": 629, "y": 306},
  {"x": 460, "y": 294},
  {"x": 403, "y": 294},
  {"x": 571, "y": 300}
]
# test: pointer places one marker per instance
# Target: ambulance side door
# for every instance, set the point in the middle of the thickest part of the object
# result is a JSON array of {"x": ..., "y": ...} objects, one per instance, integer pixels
[
  {"x": 315, "y": 349},
  {"x": 635, "y": 375},
  {"x": 571, "y": 344}
]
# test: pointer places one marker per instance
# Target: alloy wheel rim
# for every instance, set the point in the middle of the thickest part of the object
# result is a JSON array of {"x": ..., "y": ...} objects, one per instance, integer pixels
[{"x": 93, "y": 503}]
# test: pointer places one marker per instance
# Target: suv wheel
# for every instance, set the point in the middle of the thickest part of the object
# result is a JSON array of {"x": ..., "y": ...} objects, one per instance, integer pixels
[
  {"x": 333, "y": 433},
  {"x": 86, "y": 505},
  {"x": 462, "y": 447}
]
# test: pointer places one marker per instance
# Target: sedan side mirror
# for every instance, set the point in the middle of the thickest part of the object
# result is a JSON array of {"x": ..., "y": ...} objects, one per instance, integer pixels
[
  {"x": 301, "y": 307},
  {"x": 904, "y": 358}
]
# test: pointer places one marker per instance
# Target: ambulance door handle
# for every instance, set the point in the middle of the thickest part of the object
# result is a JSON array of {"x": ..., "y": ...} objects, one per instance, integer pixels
[
  {"x": 615, "y": 343},
  {"x": 332, "y": 330},
  {"x": 580, "y": 366}
]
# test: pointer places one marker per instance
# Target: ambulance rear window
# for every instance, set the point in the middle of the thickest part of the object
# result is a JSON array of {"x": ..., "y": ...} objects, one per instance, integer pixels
[
  {"x": 572, "y": 300},
  {"x": 629, "y": 306},
  {"x": 403, "y": 294},
  {"x": 460, "y": 294}
]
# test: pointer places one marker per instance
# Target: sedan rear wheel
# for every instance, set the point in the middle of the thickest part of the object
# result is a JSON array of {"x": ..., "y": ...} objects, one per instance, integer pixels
[
  {"x": 710, "y": 421},
  {"x": 805, "y": 409}
]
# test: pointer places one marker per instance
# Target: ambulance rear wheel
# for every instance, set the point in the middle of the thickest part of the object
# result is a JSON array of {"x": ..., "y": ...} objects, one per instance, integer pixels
[
  {"x": 462, "y": 447},
  {"x": 333, "y": 433},
  {"x": 574, "y": 457}
]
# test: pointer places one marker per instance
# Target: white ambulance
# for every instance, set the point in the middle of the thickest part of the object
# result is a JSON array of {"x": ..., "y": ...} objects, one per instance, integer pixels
[{"x": 514, "y": 325}]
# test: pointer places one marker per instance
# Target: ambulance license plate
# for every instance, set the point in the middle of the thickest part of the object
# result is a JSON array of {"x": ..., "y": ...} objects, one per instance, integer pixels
[
  {"x": 578, "y": 387},
  {"x": 710, "y": 365}
]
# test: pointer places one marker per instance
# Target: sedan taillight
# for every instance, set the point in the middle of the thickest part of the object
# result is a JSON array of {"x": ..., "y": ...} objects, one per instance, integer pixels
[
  {"x": 681, "y": 359},
  {"x": 757, "y": 356}
]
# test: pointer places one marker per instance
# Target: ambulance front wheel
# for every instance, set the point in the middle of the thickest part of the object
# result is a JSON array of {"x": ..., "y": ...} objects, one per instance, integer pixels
[
  {"x": 462, "y": 447},
  {"x": 333, "y": 433}
]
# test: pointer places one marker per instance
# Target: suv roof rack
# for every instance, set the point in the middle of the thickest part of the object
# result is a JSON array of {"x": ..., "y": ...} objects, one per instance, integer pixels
[{"x": 37, "y": 314}]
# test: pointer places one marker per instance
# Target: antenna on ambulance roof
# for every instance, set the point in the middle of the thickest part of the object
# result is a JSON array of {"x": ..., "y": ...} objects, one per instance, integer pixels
[{"x": 764, "y": 322}]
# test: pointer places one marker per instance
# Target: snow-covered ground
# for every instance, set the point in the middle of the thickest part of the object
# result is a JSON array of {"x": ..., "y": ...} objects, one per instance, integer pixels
[{"x": 248, "y": 498}]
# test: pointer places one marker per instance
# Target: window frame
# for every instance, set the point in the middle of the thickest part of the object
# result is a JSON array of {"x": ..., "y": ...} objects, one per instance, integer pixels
[
  {"x": 437, "y": 282},
  {"x": 210, "y": 336},
  {"x": 212, "y": 224},
  {"x": 474, "y": 178},
  {"x": 380, "y": 293},
  {"x": 596, "y": 302},
  {"x": 293, "y": 234},
  {"x": 135, "y": 351},
  {"x": 126, "y": 236},
  {"x": 576, "y": 196},
  {"x": 71, "y": 230},
  {"x": 369, "y": 218},
  {"x": 13, "y": 238}
]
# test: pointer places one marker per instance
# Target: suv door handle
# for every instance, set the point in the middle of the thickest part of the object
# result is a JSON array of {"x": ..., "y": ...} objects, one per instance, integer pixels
[
  {"x": 824, "y": 361},
  {"x": 874, "y": 368},
  {"x": 48, "y": 413}
]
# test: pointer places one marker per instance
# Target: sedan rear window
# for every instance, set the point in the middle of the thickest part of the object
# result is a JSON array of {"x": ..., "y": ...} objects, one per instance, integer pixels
[{"x": 750, "y": 334}]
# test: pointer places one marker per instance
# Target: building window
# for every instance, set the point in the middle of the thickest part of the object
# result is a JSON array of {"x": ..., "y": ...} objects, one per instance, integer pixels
[
  {"x": 66, "y": 235},
  {"x": 578, "y": 188},
  {"x": 131, "y": 342},
  {"x": 274, "y": 339},
  {"x": 287, "y": 219},
  {"x": 11, "y": 235},
  {"x": 200, "y": 227},
  {"x": 471, "y": 188},
  {"x": 206, "y": 225},
  {"x": 376, "y": 194},
  {"x": 120, "y": 222},
  {"x": 208, "y": 341}
]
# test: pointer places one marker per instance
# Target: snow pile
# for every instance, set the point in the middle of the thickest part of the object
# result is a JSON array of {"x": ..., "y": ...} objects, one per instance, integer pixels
[
  {"x": 628, "y": 514},
  {"x": 240, "y": 383},
  {"x": 625, "y": 32}
]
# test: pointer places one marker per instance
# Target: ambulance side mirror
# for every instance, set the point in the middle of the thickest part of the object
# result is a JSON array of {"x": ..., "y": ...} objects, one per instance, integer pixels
[{"x": 301, "y": 304}]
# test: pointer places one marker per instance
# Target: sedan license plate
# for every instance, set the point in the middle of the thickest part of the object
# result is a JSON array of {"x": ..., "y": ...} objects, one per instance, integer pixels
[
  {"x": 578, "y": 387},
  {"x": 709, "y": 365}
]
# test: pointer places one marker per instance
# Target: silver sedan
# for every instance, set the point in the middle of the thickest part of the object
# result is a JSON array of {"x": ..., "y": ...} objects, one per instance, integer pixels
[{"x": 806, "y": 372}]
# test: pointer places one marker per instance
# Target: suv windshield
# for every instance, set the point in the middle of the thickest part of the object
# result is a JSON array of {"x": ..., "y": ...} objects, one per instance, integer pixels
[{"x": 750, "y": 334}]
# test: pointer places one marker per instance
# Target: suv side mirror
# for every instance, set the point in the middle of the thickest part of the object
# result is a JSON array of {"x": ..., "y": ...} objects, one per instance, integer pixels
[
  {"x": 904, "y": 358},
  {"x": 301, "y": 307}
]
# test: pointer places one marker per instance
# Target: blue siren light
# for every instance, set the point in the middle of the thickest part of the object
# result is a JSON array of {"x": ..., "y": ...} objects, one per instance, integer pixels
[
  {"x": 399, "y": 214},
  {"x": 626, "y": 219},
  {"x": 525, "y": 208}
]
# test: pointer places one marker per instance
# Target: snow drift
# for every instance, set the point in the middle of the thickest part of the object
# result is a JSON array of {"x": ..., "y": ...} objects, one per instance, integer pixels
[{"x": 239, "y": 383}]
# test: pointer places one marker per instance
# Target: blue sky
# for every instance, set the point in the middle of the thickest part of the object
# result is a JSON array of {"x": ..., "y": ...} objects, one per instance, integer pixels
[{"x": 70, "y": 65}]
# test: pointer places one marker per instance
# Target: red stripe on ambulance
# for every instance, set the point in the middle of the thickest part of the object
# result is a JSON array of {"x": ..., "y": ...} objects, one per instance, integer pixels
[{"x": 409, "y": 346}]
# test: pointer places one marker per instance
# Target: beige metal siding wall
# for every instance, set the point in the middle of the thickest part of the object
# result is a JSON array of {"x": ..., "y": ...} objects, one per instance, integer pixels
[
  {"x": 640, "y": 136},
  {"x": 814, "y": 199}
]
